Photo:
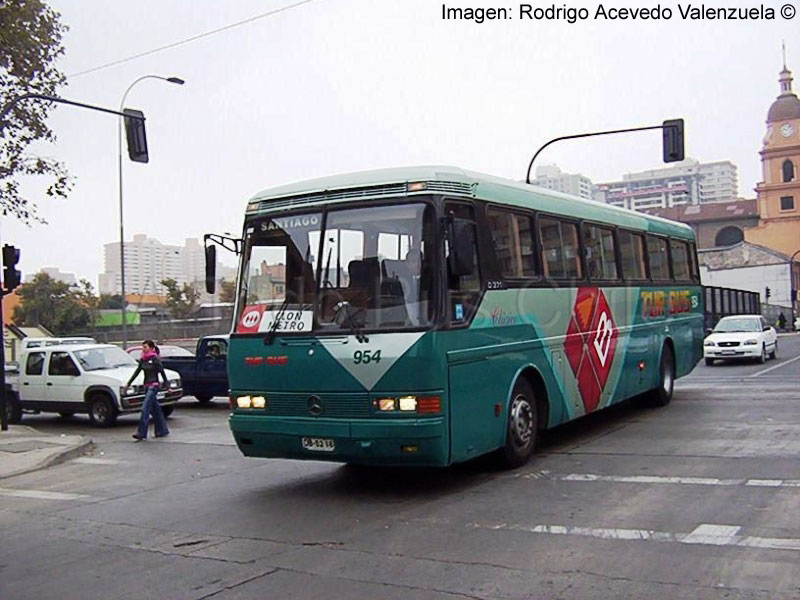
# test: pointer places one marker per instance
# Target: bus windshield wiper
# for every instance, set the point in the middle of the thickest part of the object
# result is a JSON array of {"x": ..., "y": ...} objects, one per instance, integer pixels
[
  {"x": 350, "y": 321},
  {"x": 274, "y": 327}
]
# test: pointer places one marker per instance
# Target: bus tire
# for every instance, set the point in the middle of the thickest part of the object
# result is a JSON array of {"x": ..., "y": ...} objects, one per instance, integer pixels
[
  {"x": 662, "y": 395},
  {"x": 522, "y": 426},
  {"x": 102, "y": 412}
]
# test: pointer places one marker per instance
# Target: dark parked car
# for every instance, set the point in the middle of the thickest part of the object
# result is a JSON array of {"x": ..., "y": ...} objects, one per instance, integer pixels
[{"x": 205, "y": 374}]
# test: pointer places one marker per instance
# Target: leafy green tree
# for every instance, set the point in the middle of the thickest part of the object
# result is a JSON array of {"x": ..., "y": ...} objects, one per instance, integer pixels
[
  {"x": 30, "y": 43},
  {"x": 181, "y": 301},
  {"x": 61, "y": 308},
  {"x": 227, "y": 291},
  {"x": 109, "y": 301}
]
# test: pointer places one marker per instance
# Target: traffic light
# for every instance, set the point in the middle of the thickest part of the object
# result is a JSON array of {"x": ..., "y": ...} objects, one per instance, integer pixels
[
  {"x": 11, "y": 275},
  {"x": 672, "y": 130},
  {"x": 137, "y": 138},
  {"x": 768, "y": 293}
]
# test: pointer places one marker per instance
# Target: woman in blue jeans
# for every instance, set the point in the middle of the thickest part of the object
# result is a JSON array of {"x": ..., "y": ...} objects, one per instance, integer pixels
[{"x": 150, "y": 365}]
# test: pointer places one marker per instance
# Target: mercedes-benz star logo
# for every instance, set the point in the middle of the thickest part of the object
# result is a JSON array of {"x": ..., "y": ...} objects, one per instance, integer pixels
[{"x": 315, "y": 406}]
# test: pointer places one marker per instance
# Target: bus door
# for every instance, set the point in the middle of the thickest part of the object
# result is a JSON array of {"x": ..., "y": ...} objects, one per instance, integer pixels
[{"x": 471, "y": 409}]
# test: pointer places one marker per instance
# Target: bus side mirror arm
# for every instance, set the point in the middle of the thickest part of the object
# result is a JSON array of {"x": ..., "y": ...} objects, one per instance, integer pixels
[{"x": 231, "y": 244}]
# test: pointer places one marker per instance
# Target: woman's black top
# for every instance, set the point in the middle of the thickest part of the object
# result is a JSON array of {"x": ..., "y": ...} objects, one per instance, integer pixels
[{"x": 151, "y": 368}]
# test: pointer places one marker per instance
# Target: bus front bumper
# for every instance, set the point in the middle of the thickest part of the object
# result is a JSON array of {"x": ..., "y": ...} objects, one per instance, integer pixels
[{"x": 400, "y": 442}]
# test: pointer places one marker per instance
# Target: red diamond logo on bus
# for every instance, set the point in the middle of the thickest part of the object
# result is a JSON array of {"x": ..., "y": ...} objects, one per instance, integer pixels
[{"x": 590, "y": 344}]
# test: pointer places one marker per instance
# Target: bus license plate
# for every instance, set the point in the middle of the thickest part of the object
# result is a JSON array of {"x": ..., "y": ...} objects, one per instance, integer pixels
[{"x": 318, "y": 444}]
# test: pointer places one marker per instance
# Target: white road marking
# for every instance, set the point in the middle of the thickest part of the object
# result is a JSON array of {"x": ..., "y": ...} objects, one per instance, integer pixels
[
  {"x": 714, "y": 535},
  {"x": 39, "y": 495},
  {"x": 88, "y": 460},
  {"x": 657, "y": 479},
  {"x": 703, "y": 534},
  {"x": 783, "y": 364}
]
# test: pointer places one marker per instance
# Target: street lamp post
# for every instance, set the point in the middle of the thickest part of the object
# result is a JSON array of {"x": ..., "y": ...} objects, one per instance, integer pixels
[
  {"x": 793, "y": 291},
  {"x": 177, "y": 81}
]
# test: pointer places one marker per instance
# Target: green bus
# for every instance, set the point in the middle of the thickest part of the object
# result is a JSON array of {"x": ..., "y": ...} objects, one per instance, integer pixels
[{"x": 430, "y": 315}]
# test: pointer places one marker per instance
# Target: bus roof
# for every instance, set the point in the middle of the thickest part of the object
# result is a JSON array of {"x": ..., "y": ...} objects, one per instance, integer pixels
[{"x": 453, "y": 181}]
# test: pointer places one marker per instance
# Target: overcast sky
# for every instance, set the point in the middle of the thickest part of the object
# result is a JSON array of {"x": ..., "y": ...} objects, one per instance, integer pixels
[{"x": 343, "y": 85}]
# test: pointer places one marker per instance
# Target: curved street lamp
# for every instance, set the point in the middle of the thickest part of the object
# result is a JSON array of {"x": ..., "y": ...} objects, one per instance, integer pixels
[{"x": 177, "y": 81}]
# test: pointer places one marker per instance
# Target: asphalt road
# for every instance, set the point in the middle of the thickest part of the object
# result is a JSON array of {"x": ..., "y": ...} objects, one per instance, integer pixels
[{"x": 696, "y": 500}]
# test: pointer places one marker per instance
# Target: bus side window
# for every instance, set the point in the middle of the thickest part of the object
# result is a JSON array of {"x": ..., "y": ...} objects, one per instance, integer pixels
[
  {"x": 679, "y": 251},
  {"x": 464, "y": 290},
  {"x": 632, "y": 252},
  {"x": 658, "y": 258},
  {"x": 560, "y": 258},
  {"x": 601, "y": 260}
]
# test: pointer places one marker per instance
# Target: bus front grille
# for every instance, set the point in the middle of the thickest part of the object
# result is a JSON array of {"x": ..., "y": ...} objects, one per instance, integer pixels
[{"x": 341, "y": 406}]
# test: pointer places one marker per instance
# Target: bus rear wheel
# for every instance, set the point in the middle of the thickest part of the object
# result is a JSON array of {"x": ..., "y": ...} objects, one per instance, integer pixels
[
  {"x": 662, "y": 395},
  {"x": 522, "y": 426}
]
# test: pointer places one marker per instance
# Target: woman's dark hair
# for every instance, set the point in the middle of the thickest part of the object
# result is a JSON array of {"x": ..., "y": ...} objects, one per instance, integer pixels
[{"x": 150, "y": 344}]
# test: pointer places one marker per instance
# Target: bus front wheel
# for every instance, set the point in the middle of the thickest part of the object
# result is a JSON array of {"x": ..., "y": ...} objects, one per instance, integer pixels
[{"x": 522, "y": 426}]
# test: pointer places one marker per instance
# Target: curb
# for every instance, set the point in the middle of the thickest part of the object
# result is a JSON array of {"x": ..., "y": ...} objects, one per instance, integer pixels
[{"x": 62, "y": 455}]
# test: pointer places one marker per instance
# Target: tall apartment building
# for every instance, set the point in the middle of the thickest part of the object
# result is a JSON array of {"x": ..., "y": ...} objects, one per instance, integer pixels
[
  {"x": 688, "y": 182},
  {"x": 148, "y": 262},
  {"x": 551, "y": 177}
]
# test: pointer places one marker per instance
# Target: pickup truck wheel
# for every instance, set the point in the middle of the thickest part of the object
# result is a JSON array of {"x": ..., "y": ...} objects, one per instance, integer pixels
[
  {"x": 13, "y": 410},
  {"x": 203, "y": 398},
  {"x": 102, "y": 412},
  {"x": 167, "y": 410}
]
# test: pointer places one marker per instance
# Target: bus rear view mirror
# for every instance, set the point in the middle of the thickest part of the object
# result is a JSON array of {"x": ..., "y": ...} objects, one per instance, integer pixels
[
  {"x": 211, "y": 268},
  {"x": 462, "y": 247}
]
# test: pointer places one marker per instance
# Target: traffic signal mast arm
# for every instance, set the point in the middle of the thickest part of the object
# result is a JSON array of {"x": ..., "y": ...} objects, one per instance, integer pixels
[
  {"x": 672, "y": 143},
  {"x": 134, "y": 121}
]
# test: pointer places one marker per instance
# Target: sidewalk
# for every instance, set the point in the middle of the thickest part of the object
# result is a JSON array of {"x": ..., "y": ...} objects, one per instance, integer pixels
[{"x": 23, "y": 449}]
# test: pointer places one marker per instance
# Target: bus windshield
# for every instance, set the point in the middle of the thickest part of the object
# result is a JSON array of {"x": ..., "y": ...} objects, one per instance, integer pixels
[{"x": 368, "y": 269}]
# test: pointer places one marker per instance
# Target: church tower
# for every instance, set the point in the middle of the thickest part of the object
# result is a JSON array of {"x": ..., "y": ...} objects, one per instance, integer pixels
[{"x": 779, "y": 192}]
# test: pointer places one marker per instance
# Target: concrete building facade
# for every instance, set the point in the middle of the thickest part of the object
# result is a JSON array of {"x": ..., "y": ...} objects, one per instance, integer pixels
[
  {"x": 148, "y": 262},
  {"x": 686, "y": 183},
  {"x": 551, "y": 177}
]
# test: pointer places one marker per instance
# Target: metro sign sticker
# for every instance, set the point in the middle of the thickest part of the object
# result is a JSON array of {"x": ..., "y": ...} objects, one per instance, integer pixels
[
  {"x": 590, "y": 344},
  {"x": 250, "y": 319}
]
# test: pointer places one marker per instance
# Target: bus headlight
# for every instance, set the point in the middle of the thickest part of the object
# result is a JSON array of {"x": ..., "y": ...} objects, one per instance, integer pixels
[
  {"x": 407, "y": 403},
  {"x": 385, "y": 404},
  {"x": 251, "y": 402}
]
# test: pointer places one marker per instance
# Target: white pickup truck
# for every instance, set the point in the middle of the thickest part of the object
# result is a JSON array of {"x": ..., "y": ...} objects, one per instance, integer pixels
[{"x": 82, "y": 378}]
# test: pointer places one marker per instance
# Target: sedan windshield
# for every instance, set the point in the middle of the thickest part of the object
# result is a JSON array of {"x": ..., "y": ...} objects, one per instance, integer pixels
[
  {"x": 95, "y": 359},
  {"x": 369, "y": 268},
  {"x": 737, "y": 325}
]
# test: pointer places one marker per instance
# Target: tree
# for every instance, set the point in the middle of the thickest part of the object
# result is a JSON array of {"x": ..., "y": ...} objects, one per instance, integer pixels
[
  {"x": 181, "y": 301},
  {"x": 61, "y": 308},
  {"x": 30, "y": 43},
  {"x": 109, "y": 301},
  {"x": 227, "y": 291}
]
